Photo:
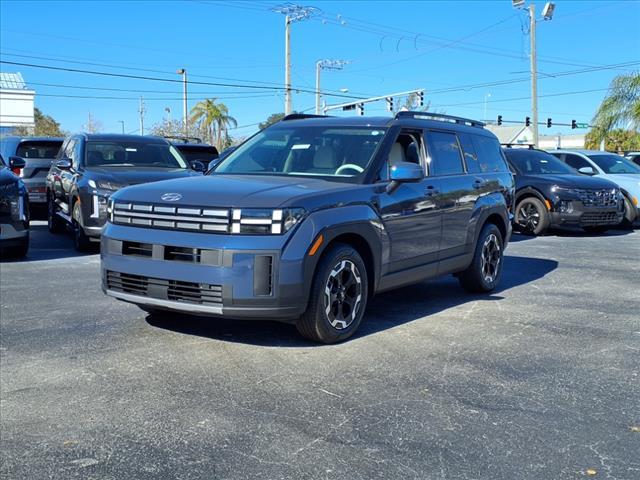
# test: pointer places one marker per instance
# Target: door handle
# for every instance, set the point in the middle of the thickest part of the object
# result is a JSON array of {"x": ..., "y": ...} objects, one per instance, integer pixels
[{"x": 431, "y": 190}]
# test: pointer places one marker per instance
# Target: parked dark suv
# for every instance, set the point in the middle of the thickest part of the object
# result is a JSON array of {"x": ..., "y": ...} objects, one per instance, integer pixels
[
  {"x": 193, "y": 149},
  {"x": 14, "y": 210},
  {"x": 552, "y": 194},
  {"x": 89, "y": 168},
  {"x": 309, "y": 218},
  {"x": 37, "y": 153}
]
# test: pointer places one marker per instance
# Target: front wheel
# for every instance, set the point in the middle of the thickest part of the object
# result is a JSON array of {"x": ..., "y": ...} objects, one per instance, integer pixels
[
  {"x": 486, "y": 267},
  {"x": 80, "y": 239},
  {"x": 629, "y": 213},
  {"x": 532, "y": 216},
  {"x": 338, "y": 297}
]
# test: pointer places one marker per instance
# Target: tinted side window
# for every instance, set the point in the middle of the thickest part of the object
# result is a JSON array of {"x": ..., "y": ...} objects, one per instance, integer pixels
[
  {"x": 490, "y": 156},
  {"x": 576, "y": 161},
  {"x": 69, "y": 152},
  {"x": 445, "y": 154},
  {"x": 469, "y": 153}
]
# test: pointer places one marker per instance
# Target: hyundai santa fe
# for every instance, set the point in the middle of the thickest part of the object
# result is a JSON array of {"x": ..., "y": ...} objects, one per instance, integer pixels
[{"x": 309, "y": 218}]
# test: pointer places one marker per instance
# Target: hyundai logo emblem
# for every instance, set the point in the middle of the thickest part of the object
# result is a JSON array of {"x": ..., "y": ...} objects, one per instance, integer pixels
[{"x": 171, "y": 197}]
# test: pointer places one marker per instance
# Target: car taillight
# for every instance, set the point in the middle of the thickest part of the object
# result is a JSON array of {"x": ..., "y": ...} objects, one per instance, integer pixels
[{"x": 16, "y": 170}]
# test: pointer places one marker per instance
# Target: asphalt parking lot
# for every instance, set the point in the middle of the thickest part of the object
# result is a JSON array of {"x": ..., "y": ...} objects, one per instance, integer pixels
[{"x": 540, "y": 380}]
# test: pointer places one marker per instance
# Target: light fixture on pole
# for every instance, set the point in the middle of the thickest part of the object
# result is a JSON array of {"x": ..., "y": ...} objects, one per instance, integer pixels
[
  {"x": 293, "y": 13},
  {"x": 547, "y": 14},
  {"x": 183, "y": 72},
  {"x": 325, "y": 65}
]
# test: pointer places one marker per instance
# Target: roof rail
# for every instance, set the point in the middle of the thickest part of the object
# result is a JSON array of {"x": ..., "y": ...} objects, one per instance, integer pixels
[
  {"x": 440, "y": 117},
  {"x": 511, "y": 145},
  {"x": 299, "y": 116},
  {"x": 183, "y": 139}
]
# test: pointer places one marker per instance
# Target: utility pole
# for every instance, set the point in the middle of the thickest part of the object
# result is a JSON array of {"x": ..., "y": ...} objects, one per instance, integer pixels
[
  {"x": 142, "y": 111},
  {"x": 534, "y": 74},
  {"x": 325, "y": 64},
  {"x": 183, "y": 72},
  {"x": 293, "y": 13},
  {"x": 122, "y": 122}
]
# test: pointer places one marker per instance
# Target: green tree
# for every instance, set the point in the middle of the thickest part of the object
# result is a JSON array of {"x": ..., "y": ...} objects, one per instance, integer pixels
[
  {"x": 175, "y": 128},
  {"x": 214, "y": 118},
  {"x": 45, "y": 126},
  {"x": 618, "y": 140},
  {"x": 273, "y": 118},
  {"x": 620, "y": 108}
]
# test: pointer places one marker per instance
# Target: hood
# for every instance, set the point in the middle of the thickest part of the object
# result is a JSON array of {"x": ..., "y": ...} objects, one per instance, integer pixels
[
  {"x": 628, "y": 181},
  {"x": 235, "y": 191},
  {"x": 567, "y": 181},
  {"x": 136, "y": 175}
]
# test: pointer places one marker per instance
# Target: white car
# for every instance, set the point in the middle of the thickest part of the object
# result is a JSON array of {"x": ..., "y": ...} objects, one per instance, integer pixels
[{"x": 613, "y": 167}]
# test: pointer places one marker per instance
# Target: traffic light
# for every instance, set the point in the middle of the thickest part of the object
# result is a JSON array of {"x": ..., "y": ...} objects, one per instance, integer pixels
[
  {"x": 548, "y": 123},
  {"x": 421, "y": 99},
  {"x": 527, "y": 121},
  {"x": 499, "y": 119},
  {"x": 390, "y": 104},
  {"x": 361, "y": 109},
  {"x": 574, "y": 124}
]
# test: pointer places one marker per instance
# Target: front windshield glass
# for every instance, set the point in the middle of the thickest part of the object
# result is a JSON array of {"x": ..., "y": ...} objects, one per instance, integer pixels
[
  {"x": 132, "y": 154},
  {"x": 534, "y": 162},
  {"x": 614, "y": 164},
  {"x": 342, "y": 152}
]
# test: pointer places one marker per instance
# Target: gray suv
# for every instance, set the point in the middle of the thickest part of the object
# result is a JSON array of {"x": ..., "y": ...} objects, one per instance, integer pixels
[{"x": 309, "y": 218}]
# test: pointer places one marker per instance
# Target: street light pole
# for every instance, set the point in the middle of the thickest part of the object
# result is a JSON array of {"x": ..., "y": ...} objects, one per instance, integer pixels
[
  {"x": 534, "y": 74},
  {"x": 122, "y": 122},
  {"x": 183, "y": 72},
  {"x": 486, "y": 96}
]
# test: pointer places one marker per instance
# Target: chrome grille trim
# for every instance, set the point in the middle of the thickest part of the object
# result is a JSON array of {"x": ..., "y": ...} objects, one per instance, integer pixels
[
  {"x": 598, "y": 198},
  {"x": 172, "y": 218}
]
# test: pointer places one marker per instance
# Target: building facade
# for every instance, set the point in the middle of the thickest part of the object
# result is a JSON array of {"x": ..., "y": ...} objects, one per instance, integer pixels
[{"x": 16, "y": 103}]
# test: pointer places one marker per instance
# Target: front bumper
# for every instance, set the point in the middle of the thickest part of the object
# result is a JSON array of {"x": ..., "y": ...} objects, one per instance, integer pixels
[
  {"x": 573, "y": 213},
  {"x": 203, "y": 273},
  {"x": 13, "y": 234}
]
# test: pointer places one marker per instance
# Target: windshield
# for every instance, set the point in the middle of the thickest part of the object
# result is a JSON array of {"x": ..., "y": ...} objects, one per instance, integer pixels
[
  {"x": 535, "y": 162},
  {"x": 341, "y": 152},
  {"x": 132, "y": 154},
  {"x": 610, "y": 163},
  {"x": 204, "y": 154},
  {"x": 46, "y": 149}
]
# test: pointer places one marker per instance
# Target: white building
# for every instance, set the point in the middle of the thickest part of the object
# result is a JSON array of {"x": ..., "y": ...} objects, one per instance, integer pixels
[
  {"x": 16, "y": 103},
  {"x": 523, "y": 135}
]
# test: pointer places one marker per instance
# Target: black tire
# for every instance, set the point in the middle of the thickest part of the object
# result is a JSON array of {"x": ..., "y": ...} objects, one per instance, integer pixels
[
  {"x": 629, "y": 213},
  {"x": 80, "y": 239},
  {"x": 338, "y": 296},
  {"x": 532, "y": 216},
  {"x": 19, "y": 251},
  {"x": 596, "y": 230},
  {"x": 54, "y": 222},
  {"x": 485, "y": 271}
]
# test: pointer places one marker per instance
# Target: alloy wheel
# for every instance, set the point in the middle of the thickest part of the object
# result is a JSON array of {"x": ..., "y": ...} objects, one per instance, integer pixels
[
  {"x": 490, "y": 259},
  {"x": 528, "y": 216},
  {"x": 343, "y": 294}
]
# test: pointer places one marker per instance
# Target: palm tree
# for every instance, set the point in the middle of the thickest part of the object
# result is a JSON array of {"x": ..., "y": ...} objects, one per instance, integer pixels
[
  {"x": 621, "y": 107},
  {"x": 214, "y": 118}
]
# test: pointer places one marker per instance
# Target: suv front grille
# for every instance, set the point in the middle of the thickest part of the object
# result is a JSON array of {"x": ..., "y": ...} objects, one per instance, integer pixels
[
  {"x": 172, "y": 218},
  {"x": 173, "y": 290},
  {"x": 598, "y": 198}
]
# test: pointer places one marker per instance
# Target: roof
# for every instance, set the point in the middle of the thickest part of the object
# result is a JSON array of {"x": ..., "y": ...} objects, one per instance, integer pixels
[
  {"x": 118, "y": 137},
  {"x": 582, "y": 151},
  {"x": 32, "y": 139},
  {"x": 12, "y": 81}
]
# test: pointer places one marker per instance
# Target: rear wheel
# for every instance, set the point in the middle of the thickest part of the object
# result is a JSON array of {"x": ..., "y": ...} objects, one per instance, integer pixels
[
  {"x": 338, "y": 297},
  {"x": 486, "y": 267},
  {"x": 54, "y": 222},
  {"x": 80, "y": 239},
  {"x": 532, "y": 216}
]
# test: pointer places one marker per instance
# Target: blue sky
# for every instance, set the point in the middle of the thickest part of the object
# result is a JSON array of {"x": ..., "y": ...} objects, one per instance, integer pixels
[{"x": 451, "y": 49}]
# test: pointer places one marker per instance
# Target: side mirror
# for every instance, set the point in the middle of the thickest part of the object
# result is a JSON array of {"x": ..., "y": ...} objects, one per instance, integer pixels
[
  {"x": 586, "y": 171},
  {"x": 63, "y": 164},
  {"x": 213, "y": 163},
  {"x": 16, "y": 163},
  {"x": 404, "y": 172},
  {"x": 197, "y": 165}
]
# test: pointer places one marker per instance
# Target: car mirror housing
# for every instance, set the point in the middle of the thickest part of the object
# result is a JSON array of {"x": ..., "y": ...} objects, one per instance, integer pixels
[
  {"x": 587, "y": 171},
  {"x": 404, "y": 172},
  {"x": 197, "y": 165},
  {"x": 16, "y": 163},
  {"x": 63, "y": 164}
]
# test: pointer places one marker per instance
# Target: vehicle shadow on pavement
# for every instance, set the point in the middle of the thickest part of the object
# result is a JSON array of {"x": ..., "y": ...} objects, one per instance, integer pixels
[
  {"x": 573, "y": 233},
  {"x": 46, "y": 246},
  {"x": 385, "y": 311}
]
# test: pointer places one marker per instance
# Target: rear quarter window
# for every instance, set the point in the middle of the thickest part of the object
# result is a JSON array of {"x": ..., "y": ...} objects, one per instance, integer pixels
[{"x": 489, "y": 154}]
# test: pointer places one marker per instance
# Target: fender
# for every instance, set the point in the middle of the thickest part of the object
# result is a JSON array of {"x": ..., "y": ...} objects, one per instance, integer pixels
[
  {"x": 486, "y": 206},
  {"x": 529, "y": 190},
  {"x": 360, "y": 220}
]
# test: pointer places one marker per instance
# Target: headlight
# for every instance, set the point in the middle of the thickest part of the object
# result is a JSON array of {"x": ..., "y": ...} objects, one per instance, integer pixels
[
  {"x": 265, "y": 221},
  {"x": 559, "y": 189},
  {"x": 105, "y": 185}
]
